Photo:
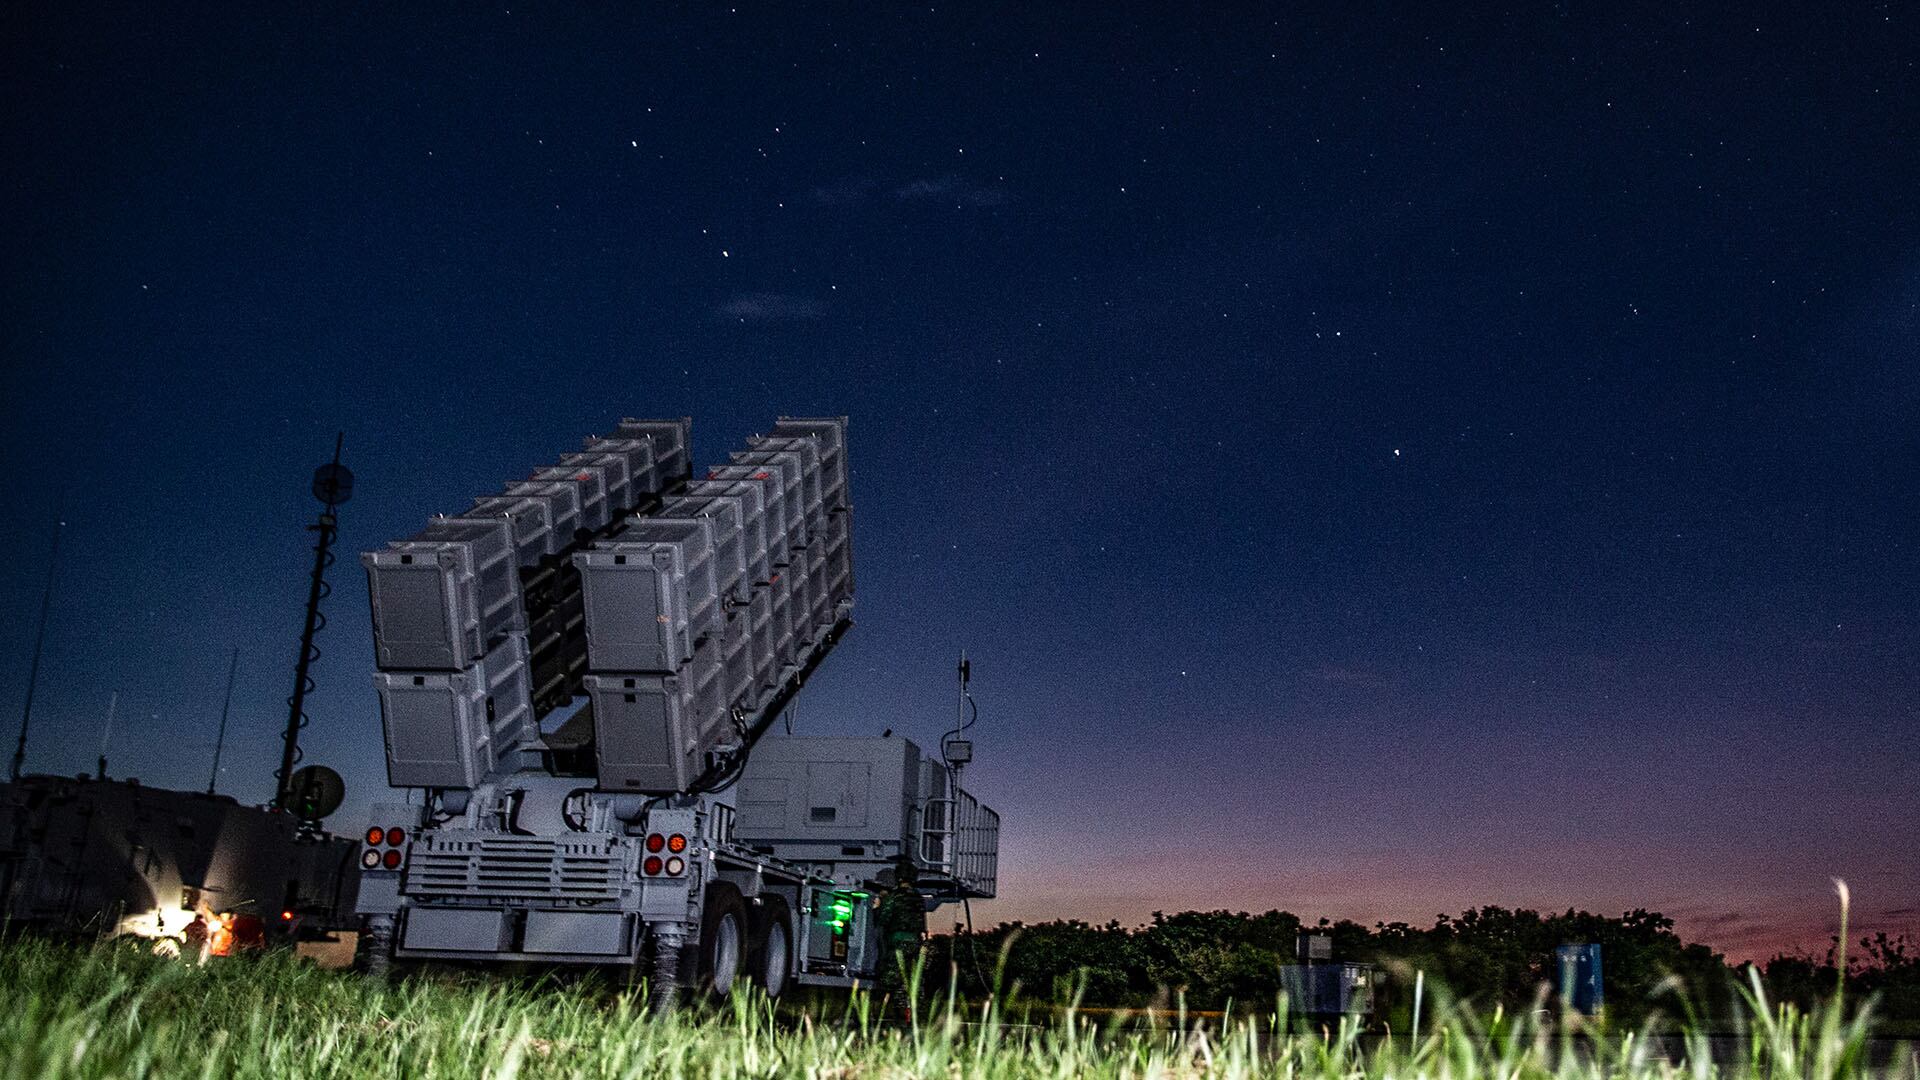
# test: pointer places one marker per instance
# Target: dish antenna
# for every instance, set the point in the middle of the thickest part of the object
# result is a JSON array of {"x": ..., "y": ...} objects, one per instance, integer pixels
[{"x": 316, "y": 791}]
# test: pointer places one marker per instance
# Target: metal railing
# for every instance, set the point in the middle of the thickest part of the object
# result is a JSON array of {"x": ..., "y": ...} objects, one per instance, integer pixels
[{"x": 960, "y": 839}]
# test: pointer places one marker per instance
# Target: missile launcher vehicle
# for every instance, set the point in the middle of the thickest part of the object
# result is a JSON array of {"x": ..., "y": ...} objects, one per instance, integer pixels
[{"x": 578, "y": 679}]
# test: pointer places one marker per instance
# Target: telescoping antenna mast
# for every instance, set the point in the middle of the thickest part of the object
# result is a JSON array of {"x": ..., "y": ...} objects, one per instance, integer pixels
[
  {"x": 220, "y": 741},
  {"x": 332, "y": 485},
  {"x": 39, "y": 639},
  {"x": 106, "y": 733},
  {"x": 955, "y": 748}
]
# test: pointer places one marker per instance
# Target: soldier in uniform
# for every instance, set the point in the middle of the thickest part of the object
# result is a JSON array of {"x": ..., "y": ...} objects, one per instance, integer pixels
[
  {"x": 196, "y": 935},
  {"x": 902, "y": 920}
]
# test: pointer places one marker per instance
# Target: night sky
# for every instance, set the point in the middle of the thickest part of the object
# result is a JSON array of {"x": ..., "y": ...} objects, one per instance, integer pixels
[{"x": 1379, "y": 463}]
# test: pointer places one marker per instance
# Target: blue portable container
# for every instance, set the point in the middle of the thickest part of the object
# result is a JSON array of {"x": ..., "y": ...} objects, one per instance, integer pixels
[{"x": 1581, "y": 986}]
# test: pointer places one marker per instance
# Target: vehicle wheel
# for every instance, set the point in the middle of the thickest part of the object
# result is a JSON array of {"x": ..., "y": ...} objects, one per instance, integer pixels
[
  {"x": 773, "y": 946},
  {"x": 723, "y": 940}
]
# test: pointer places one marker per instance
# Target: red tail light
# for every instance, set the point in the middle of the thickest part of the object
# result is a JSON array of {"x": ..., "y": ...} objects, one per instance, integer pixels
[
  {"x": 396, "y": 836},
  {"x": 676, "y": 843},
  {"x": 375, "y": 835},
  {"x": 652, "y": 865},
  {"x": 391, "y": 860},
  {"x": 286, "y": 916},
  {"x": 655, "y": 842}
]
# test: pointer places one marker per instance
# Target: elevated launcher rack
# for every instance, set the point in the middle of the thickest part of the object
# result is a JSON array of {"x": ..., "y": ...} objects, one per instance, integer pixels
[
  {"x": 578, "y": 668},
  {"x": 613, "y": 617}
]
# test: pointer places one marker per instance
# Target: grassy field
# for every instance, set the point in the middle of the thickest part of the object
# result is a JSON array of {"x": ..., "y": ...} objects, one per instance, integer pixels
[{"x": 118, "y": 1012}]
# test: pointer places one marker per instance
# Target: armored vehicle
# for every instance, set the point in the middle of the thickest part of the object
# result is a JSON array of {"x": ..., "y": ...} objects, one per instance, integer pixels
[{"x": 90, "y": 857}]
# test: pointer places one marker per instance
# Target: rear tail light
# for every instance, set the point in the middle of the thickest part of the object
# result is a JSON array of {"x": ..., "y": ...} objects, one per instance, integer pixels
[
  {"x": 652, "y": 865},
  {"x": 655, "y": 842},
  {"x": 676, "y": 843},
  {"x": 391, "y": 837}
]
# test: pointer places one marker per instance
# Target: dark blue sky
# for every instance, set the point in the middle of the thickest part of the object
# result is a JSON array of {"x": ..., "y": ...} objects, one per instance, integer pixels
[{"x": 1379, "y": 463}]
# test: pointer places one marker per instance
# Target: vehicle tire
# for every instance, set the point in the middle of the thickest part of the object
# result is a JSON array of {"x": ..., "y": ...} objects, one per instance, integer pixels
[
  {"x": 723, "y": 940},
  {"x": 772, "y": 959}
]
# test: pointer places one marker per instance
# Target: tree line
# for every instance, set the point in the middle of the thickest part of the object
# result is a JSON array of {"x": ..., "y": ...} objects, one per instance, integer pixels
[{"x": 1487, "y": 956}]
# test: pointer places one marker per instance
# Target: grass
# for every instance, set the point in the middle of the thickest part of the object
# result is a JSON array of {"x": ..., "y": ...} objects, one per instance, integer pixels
[{"x": 115, "y": 1011}]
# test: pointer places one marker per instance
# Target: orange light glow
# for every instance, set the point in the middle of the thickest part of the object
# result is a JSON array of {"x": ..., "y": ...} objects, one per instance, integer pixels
[{"x": 220, "y": 941}]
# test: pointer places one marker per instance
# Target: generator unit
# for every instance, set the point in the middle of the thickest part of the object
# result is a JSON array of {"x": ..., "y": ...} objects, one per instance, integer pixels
[
  {"x": 849, "y": 809},
  {"x": 577, "y": 676}
]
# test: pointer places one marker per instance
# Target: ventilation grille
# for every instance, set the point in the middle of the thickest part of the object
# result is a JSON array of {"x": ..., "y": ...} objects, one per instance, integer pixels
[{"x": 459, "y": 863}]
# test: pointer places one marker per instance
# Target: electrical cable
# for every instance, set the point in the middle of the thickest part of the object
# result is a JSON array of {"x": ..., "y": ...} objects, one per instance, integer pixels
[
  {"x": 973, "y": 717},
  {"x": 728, "y": 771},
  {"x": 324, "y": 558},
  {"x": 973, "y": 947},
  {"x": 646, "y": 808},
  {"x": 728, "y": 779}
]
